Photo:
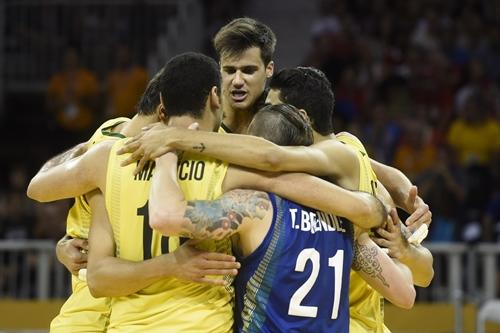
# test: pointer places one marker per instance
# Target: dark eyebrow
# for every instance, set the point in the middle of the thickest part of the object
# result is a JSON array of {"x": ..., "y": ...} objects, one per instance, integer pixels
[
  {"x": 250, "y": 67},
  {"x": 242, "y": 68}
]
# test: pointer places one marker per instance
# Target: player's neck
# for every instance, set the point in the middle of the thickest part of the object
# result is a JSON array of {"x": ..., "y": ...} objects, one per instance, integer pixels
[
  {"x": 134, "y": 126},
  {"x": 186, "y": 121},
  {"x": 320, "y": 137},
  {"x": 237, "y": 120}
]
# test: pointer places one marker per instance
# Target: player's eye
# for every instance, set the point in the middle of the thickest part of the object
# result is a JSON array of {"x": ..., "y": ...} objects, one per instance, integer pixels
[{"x": 249, "y": 69}]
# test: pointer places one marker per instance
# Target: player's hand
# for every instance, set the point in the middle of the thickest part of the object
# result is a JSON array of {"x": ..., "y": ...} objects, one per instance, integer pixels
[
  {"x": 195, "y": 265},
  {"x": 392, "y": 237},
  {"x": 151, "y": 143},
  {"x": 72, "y": 253},
  {"x": 420, "y": 212}
]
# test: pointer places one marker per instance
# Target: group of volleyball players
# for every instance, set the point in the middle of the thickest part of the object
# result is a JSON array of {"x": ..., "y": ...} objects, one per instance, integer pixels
[{"x": 190, "y": 230}]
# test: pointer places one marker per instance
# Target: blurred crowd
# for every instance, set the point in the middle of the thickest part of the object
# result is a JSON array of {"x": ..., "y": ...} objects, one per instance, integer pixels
[
  {"x": 75, "y": 103},
  {"x": 73, "y": 94},
  {"x": 417, "y": 81}
]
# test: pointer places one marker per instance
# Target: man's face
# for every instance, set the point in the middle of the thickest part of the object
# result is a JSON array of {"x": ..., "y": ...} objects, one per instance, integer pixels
[
  {"x": 273, "y": 97},
  {"x": 244, "y": 78}
]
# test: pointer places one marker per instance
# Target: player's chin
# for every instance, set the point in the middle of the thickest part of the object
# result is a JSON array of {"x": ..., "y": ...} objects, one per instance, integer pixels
[{"x": 240, "y": 105}]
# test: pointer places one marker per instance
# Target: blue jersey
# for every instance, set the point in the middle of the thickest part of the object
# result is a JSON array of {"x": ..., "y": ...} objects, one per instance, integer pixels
[{"x": 297, "y": 280}]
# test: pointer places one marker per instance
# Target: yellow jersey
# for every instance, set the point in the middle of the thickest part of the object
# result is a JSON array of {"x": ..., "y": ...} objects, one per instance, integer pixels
[
  {"x": 366, "y": 305},
  {"x": 79, "y": 215},
  {"x": 82, "y": 312},
  {"x": 169, "y": 305}
]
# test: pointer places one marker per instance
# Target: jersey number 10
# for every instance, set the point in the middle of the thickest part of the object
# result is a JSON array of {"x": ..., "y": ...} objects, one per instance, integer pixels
[{"x": 147, "y": 233}]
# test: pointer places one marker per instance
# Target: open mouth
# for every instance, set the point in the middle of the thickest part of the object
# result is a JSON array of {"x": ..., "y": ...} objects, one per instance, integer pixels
[{"x": 238, "y": 95}]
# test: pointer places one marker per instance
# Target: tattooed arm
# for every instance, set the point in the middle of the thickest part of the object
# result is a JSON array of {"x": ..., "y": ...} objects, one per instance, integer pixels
[
  {"x": 110, "y": 276},
  {"x": 171, "y": 214},
  {"x": 394, "y": 237},
  {"x": 389, "y": 277}
]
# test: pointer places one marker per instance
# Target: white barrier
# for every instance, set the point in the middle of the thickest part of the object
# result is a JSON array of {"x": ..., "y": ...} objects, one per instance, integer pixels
[{"x": 29, "y": 269}]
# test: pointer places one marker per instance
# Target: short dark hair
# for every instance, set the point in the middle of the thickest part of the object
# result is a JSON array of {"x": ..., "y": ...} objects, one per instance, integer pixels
[
  {"x": 150, "y": 98},
  {"x": 243, "y": 33},
  {"x": 282, "y": 124},
  {"x": 186, "y": 81},
  {"x": 307, "y": 88}
]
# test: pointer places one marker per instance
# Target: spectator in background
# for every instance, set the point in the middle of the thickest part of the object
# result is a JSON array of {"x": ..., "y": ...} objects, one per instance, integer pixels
[
  {"x": 73, "y": 94},
  {"x": 442, "y": 187},
  {"x": 381, "y": 133},
  {"x": 332, "y": 47},
  {"x": 16, "y": 211},
  {"x": 48, "y": 220},
  {"x": 416, "y": 154},
  {"x": 350, "y": 98},
  {"x": 125, "y": 85},
  {"x": 474, "y": 134},
  {"x": 491, "y": 218},
  {"x": 217, "y": 14}
]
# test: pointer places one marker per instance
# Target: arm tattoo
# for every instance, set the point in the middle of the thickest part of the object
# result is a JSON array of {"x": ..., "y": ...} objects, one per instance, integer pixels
[
  {"x": 365, "y": 259},
  {"x": 220, "y": 218}
]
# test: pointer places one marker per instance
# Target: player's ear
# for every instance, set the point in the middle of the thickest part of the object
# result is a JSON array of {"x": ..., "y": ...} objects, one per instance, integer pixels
[
  {"x": 214, "y": 98},
  {"x": 304, "y": 114},
  {"x": 161, "y": 111},
  {"x": 270, "y": 69}
]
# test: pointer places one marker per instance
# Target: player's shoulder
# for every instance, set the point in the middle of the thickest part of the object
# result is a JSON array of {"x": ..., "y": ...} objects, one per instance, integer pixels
[
  {"x": 352, "y": 140},
  {"x": 347, "y": 136},
  {"x": 102, "y": 148},
  {"x": 114, "y": 143},
  {"x": 107, "y": 130},
  {"x": 335, "y": 149}
]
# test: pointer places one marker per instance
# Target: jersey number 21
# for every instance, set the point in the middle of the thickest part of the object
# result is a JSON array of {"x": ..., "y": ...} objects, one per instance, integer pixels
[{"x": 295, "y": 308}]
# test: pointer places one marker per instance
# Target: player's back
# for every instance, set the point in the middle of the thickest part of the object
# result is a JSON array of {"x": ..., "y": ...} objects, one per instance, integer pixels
[
  {"x": 366, "y": 304},
  {"x": 297, "y": 279},
  {"x": 81, "y": 312},
  {"x": 79, "y": 215},
  {"x": 170, "y": 304}
]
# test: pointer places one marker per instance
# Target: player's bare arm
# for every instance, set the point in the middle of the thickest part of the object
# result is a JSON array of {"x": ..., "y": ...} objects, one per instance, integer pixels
[
  {"x": 362, "y": 209},
  {"x": 110, "y": 276},
  {"x": 327, "y": 158},
  {"x": 390, "y": 278},
  {"x": 401, "y": 243},
  {"x": 404, "y": 194},
  {"x": 67, "y": 155},
  {"x": 404, "y": 246},
  {"x": 73, "y": 177},
  {"x": 171, "y": 214},
  {"x": 416, "y": 257},
  {"x": 222, "y": 217}
]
